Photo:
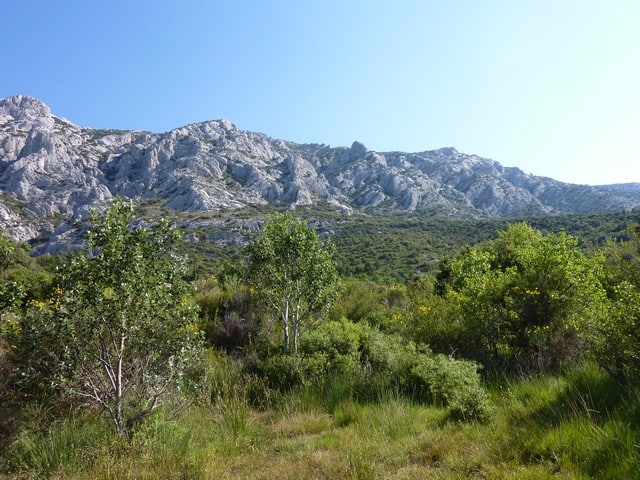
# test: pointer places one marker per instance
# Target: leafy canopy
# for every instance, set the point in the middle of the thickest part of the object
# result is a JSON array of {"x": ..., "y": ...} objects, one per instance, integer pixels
[
  {"x": 291, "y": 273},
  {"x": 525, "y": 298},
  {"x": 121, "y": 332}
]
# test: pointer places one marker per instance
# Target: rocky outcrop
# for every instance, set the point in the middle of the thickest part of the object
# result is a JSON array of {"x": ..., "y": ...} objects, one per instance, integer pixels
[{"x": 53, "y": 172}]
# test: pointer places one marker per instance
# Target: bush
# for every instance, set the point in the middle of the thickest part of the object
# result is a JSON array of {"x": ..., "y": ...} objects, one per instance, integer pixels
[
  {"x": 452, "y": 383},
  {"x": 328, "y": 352},
  {"x": 281, "y": 372},
  {"x": 617, "y": 337},
  {"x": 437, "y": 322},
  {"x": 359, "y": 301},
  {"x": 361, "y": 361},
  {"x": 224, "y": 314},
  {"x": 384, "y": 355},
  {"x": 380, "y": 306},
  {"x": 523, "y": 299}
]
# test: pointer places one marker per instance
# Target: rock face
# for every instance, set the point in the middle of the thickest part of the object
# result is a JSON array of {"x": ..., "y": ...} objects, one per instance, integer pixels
[{"x": 52, "y": 172}]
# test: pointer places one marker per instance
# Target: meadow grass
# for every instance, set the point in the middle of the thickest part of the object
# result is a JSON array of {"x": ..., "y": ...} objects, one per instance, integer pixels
[{"x": 578, "y": 425}]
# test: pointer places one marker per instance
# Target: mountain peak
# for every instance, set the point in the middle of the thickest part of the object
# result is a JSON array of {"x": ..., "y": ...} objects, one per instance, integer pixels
[
  {"x": 447, "y": 151},
  {"x": 358, "y": 149},
  {"x": 58, "y": 171},
  {"x": 22, "y": 107}
]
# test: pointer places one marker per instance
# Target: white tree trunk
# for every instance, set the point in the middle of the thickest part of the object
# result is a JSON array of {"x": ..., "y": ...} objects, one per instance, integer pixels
[{"x": 285, "y": 321}]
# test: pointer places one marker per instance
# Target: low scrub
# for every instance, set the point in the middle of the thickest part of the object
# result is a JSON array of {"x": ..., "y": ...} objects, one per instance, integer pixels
[
  {"x": 452, "y": 383},
  {"x": 577, "y": 425},
  {"x": 362, "y": 363}
]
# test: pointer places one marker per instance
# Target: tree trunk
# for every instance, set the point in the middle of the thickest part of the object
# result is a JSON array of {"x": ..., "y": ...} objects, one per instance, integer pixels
[
  {"x": 296, "y": 335},
  {"x": 121, "y": 424},
  {"x": 285, "y": 321},
  {"x": 296, "y": 329}
]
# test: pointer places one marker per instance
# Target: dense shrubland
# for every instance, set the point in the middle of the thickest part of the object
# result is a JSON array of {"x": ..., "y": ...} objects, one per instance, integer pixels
[
  {"x": 514, "y": 346},
  {"x": 399, "y": 246}
]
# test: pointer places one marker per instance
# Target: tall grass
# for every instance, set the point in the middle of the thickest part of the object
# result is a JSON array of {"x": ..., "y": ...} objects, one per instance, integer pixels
[
  {"x": 70, "y": 445},
  {"x": 583, "y": 422},
  {"x": 577, "y": 425}
]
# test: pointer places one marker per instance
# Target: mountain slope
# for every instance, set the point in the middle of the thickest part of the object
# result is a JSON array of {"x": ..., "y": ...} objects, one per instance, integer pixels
[{"x": 53, "y": 171}]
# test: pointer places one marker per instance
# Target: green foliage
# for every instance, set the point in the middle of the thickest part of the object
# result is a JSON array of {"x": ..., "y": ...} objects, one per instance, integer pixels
[
  {"x": 617, "y": 336},
  {"x": 21, "y": 277},
  {"x": 121, "y": 330},
  {"x": 358, "y": 361},
  {"x": 7, "y": 249},
  {"x": 329, "y": 351},
  {"x": 23, "y": 281},
  {"x": 378, "y": 305},
  {"x": 12, "y": 295},
  {"x": 282, "y": 372},
  {"x": 398, "y": 247},
  {"x": 291, "y": 273},
  {"x": 525, "y": 298},
  {"x": 622, "y": 259},
  {"x": 453, "y": 383},
  {"x": 383, "y": 247},
  {"x": 359, "y": 301},
  {"x": 225, "y": 314},
  {"x": 433, "y": 319},
  {"x": 333, "y": 350}
]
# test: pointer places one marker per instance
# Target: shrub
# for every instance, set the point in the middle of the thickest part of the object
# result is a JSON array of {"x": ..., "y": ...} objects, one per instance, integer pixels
[
  {"x": 359, "y": 301},
  {"x": 523, "y": 299},
  {"x": 358, "y": 360},
  {"x": 452, "y": 383},
  {"x": 384, "y": 355},
  {"x": 617, "y": 337},
  {"x": 437, "y": 322},
  {"x": 224, "y": 314},
  {"x": 282, "y": 372},
  {"x": 330, "y": 351}
]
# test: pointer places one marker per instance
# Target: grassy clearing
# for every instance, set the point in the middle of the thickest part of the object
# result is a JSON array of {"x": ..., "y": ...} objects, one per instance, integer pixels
[{"x": 575, "y": 426}]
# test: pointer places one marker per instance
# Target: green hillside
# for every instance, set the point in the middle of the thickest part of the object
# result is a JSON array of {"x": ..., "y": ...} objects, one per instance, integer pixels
[{"x": 446, "y": 349}]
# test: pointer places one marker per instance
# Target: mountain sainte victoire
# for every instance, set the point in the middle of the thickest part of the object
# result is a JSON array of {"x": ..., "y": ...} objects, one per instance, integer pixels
[{"x": 53, "y": 172}]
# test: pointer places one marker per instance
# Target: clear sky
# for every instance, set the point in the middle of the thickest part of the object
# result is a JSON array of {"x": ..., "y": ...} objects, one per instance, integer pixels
[{"x": 550, "y": 86}]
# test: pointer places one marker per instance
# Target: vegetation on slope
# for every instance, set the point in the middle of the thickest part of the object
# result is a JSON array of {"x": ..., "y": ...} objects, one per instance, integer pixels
[
  {"x": 515, "y": 356},
  {"x": 384, "y": 248}
]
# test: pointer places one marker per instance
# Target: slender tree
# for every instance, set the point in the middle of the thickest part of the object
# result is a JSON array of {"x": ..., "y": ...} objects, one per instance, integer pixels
[
  {"x": 121, "y": 331},
  {"x": 292, "y": 273}
]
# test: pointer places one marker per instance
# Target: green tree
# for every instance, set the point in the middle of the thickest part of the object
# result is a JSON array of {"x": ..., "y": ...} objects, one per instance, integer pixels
[
  {"x": 525, "y": 298},
  {"x": 121, "y": 330},
  {"x": 19, "y": 272},
  {"x": 12, "y": 288},
  {"x": 622, "y": 260},
  {"x": 7, "y": 251},
  {"x": 291, "y": 272},
  {"x": 616, "y": 339}
]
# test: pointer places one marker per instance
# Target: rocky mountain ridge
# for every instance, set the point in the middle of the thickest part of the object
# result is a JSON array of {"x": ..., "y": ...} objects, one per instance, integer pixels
[{"x": 52, "y": 172}]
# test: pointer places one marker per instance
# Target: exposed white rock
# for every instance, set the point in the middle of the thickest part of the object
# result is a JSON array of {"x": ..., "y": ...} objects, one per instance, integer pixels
[{"x": 53, "y": 172}]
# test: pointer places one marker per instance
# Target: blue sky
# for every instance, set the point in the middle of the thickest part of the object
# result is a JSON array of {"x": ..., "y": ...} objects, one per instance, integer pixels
[{"x": 550, "y": 86}]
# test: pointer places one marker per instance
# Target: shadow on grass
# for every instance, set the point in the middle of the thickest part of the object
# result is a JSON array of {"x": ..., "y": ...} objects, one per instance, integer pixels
[{"x": 582, "y": 422}]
